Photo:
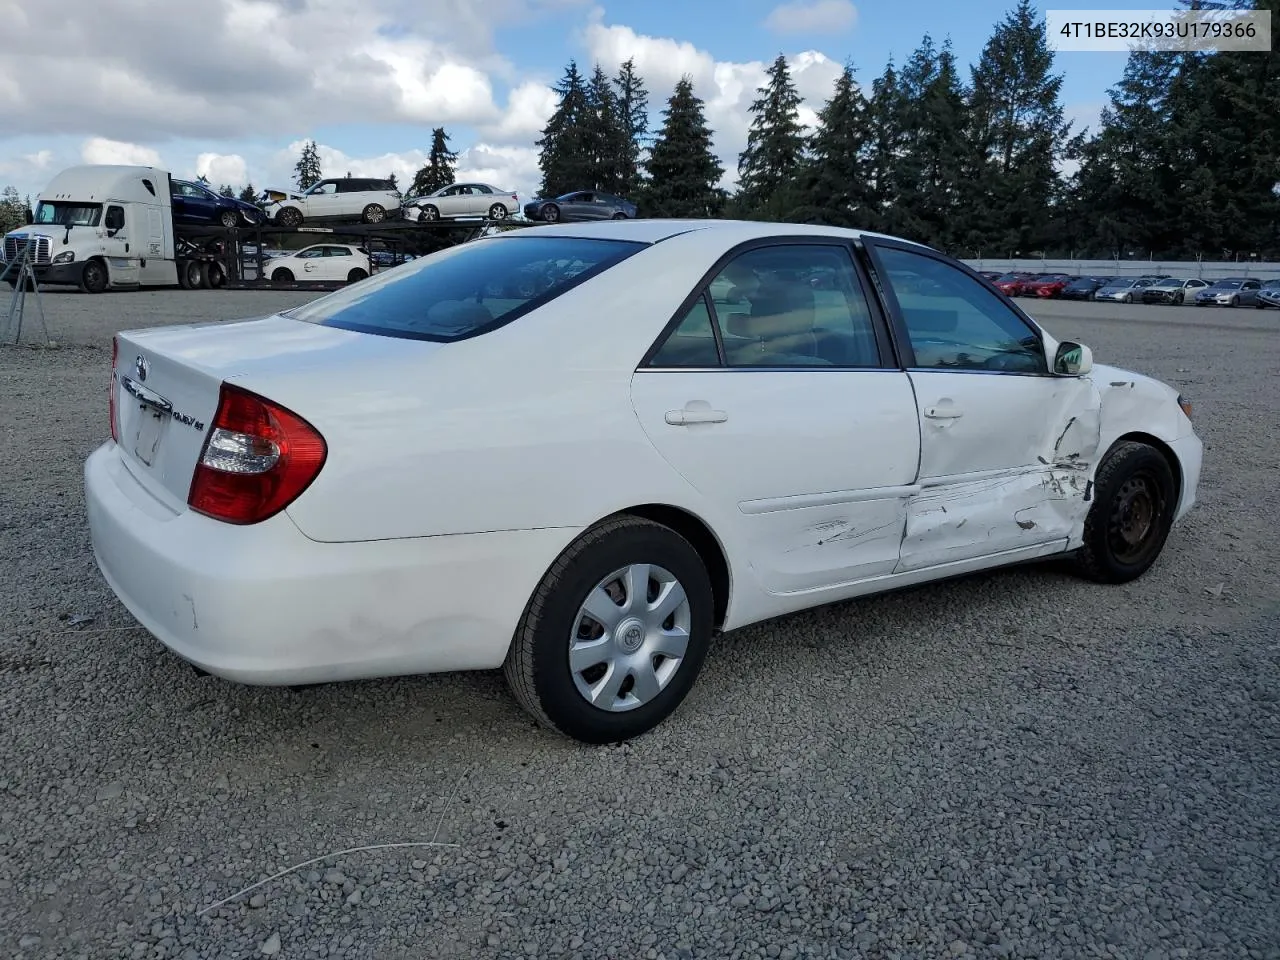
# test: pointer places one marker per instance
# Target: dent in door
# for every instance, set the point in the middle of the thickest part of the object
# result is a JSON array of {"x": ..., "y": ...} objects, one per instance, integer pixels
[{"x": 1045, "y": 501}]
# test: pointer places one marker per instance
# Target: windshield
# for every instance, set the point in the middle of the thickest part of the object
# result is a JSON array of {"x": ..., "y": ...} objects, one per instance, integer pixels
[
  {"x": 1226, "y": 284},
  {"x": 68, "y": 214},
  {"x": 1118, "y": 284},
  {"x": 468, "y": 289},
  {"x": 1271, "y": 285},
  {"x": 1009, "y": 278}
]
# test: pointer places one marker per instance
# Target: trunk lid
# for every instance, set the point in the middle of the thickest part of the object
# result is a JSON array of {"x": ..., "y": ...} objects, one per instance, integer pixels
[{"x": 168, "y": 380}]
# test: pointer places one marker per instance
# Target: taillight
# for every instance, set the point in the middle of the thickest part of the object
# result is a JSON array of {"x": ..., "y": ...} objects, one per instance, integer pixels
[
  {"x": 111, "y": 391},
  {"x": 256, "y": 461}
]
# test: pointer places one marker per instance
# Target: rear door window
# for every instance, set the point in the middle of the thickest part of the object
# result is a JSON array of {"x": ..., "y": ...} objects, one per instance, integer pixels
[{"x": 468, "y": 289}]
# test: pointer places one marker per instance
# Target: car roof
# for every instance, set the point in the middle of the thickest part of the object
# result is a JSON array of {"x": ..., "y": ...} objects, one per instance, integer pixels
[{"x": 724, "y": 231}]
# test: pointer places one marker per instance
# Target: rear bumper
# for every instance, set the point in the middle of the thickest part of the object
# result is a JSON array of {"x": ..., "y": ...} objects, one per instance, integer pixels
[{"x": 263, "y": 604}]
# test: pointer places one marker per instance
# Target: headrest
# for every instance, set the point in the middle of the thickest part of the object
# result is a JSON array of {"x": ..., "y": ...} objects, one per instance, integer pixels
[{"x": 781, "y": 311}]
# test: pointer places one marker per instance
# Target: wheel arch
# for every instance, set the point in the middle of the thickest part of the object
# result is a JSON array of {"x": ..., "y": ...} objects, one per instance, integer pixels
[
  {"x": 702, "y": 538},
  {"x": 1166, "y": 451}
]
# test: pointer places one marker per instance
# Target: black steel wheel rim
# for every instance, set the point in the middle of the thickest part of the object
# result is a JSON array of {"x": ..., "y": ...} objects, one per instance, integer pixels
[{"x": 1133, "y": 523}]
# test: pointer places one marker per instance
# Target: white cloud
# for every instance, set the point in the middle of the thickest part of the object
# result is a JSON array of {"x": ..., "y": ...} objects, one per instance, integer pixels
[
  {"x": 102, "y": 150},
  {"x": 818, "y": 16},
  {"x": 40, "y": 160},
  {"x": 219, "y": 168},
  {"x": 727, "y": 87}
]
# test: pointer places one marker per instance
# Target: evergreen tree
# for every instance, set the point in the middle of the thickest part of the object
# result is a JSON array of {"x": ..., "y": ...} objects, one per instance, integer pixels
[
  {"x": 606, "y": 136},
  {"x": 775, "y": 148},
  {"x": 564, "y": 148},
  {"x": 12, "y": 210},
  {"x": 248, "y": 194},
  {"x": 307, "y": 170},
  {"x": 633, "y": 106},
  {"x": 227, "y": 190},
  {"x": 835, "y": 183},
  {"x": 1018, "y": 134},
  {"x": 683, "y": 170},
  {"x": 929, "y": 171},
  {"x": 439, "y": 169},
  {"x": 886, "y": 143}
]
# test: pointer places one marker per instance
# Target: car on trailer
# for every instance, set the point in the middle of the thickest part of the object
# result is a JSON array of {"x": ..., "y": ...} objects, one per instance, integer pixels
[
  {"x": 463, "y": 200},
  {"x": 349, "y": 199}
]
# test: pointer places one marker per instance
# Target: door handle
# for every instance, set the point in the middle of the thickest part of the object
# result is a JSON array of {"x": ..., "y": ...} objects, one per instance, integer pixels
[
  {"x": 682, "y": 418},
  {"x": 942, "y": 413}
]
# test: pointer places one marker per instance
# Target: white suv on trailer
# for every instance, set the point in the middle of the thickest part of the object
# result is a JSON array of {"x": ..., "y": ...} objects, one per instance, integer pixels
[{"x": 366, "y": 199}]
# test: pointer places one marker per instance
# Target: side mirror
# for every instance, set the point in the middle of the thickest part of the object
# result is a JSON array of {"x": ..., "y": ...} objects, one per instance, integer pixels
[{"x": 1072, "y": 359}]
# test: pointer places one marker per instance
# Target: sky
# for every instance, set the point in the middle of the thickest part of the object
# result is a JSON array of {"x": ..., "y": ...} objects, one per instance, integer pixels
[{"x": 231, "y": 89}]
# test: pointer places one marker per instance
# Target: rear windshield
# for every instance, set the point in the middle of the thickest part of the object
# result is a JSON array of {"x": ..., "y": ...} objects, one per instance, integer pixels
[{"x": 466, "y": 290}]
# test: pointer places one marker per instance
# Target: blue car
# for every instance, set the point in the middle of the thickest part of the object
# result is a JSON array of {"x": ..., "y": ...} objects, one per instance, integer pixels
[{"x": 195, "y": 203}]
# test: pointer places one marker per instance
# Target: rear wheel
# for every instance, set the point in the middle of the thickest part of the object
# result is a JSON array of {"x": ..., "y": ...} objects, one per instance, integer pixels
[
  {"x": 94, "y": 277},
  {"x": 282, "y": 275},
  {"x": 215, "y": 275},
  {"x": 356, "y": 275},
  {"x": 191, "y": 274},
  {"x": 1135, "y": 497},
  {"x": 615, "y": 633},
  {"x": 497, "y": 212}
]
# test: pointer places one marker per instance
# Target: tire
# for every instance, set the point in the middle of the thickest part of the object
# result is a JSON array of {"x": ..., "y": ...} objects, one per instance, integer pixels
[
  {"x": 191, "y": 274},
  {"x": 1128, "y": 298},
  {"x": 230, "y": 219},
  {"x": 1235, "y": 301},
  {"x": 551, "y": 213},
  {"x": 1178, "y": 298},
  {"x": 94, "y": 277},
  {"x": 1137, "y": 476},
  {"x": 374, "y": 213},
  {"x": 282, "y": 275},
  {"x": 497, "y": 212},
  {"x": 429, "y": 214},
  {"x": 215, "y": 275},
  {"x": 618, "y": 216},
  {"x": 289, "y": 217},
  {"x": 356, "y": 275},
  {"x": 538, "y": 667}
]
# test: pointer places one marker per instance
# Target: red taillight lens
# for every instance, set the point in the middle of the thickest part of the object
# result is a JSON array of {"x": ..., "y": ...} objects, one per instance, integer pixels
[
  {"x": 111, "y": 391},
  {"x": 257, "y": 459}
]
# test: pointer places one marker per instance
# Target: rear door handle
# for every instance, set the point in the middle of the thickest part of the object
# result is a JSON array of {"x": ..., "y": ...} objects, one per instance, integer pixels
[
  {"x": 681, "y": 418},
  {"x": 943, "y": 413}
]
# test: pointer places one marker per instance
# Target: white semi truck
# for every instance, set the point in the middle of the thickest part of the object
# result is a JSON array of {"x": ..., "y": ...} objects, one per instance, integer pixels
[{"x": 101, "y": 227}]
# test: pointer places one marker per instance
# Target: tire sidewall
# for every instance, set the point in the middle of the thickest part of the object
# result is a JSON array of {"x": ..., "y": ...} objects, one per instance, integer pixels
[
  {"x": 501, "y": 212},
  {"x": 553, "y": 681},
  {"x": 94, "y": 268},
  {"x": 1119, "y": 466}
]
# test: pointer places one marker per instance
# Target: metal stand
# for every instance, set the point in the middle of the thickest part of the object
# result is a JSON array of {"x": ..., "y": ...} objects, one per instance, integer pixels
[{"x": 20, "y": 272}]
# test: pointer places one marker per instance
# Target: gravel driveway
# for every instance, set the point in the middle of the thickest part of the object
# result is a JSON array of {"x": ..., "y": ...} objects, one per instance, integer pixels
[{"x": 1010, "y": 765}]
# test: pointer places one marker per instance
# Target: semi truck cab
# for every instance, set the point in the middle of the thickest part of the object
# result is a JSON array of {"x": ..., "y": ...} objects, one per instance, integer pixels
[{"x": 100, "y": 227}]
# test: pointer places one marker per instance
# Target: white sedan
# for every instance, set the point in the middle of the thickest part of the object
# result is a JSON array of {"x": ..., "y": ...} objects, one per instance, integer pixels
[
  {"x": 463, "y": 200},
  {"x": 579, "y": 451},
  {"x": 320, "y": 261}
]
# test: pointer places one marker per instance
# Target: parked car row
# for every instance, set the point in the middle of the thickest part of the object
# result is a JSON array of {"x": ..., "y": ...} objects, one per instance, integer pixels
[{"x": 1175, "y": 291}]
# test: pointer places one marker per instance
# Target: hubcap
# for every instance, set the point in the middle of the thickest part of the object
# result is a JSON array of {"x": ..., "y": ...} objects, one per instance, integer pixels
[
  {"x": 1134, "y": 518},
  {"x": 629, "y": 637}
]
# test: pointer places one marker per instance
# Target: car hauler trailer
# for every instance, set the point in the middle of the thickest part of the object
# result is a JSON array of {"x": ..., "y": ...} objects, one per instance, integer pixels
[{"x": 111, "y": 227}]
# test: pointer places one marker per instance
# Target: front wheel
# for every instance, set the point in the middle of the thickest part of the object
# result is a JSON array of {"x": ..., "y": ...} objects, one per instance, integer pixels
[
  {"x": 1177, "y": 300},
  {"x": 374, "y": 213},
  {"x": 619, "y": 216},
  {"x": 1235, "y": 301},
  {"x": 1135, "y": 497},
  {"x": 282, "y": 275},
  {"x": 230, "y": 219},
  {"x": 289, "y": 217},
  {"x": 615, "y": 634},
  {"x": 551, "y": 213},
  {"x": 1128, "y": 298},
  {"x": 428, "y": 214},
  {"x": 94, "y": 278}
]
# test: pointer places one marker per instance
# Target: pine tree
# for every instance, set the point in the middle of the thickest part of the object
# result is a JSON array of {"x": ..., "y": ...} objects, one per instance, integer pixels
[
  {"x": 439, "y": 169},
  {"x": 1018, "y": 132},
  {"x": 12, "y": 210},
  {"x": 605, "y": 134},
  {"x": 835, "y": 184},
  {"x": 683, "y": 170},
  {"x": 564, "y": 149},
  {"x": 633, "y": 105},
  {"x": 775, "y": 148},
  {"x": 307, "y": 170},
  {"x": 248, "y": 194},
  {"x": 227, "y": 190},
  {"x": 885, "y": 121}
]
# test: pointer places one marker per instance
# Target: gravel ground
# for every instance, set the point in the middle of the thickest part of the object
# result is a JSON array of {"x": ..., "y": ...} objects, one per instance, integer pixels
[{"x": 1011, "y": 765}]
